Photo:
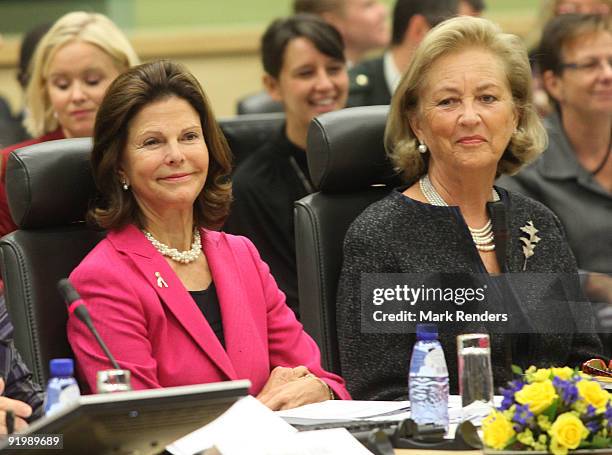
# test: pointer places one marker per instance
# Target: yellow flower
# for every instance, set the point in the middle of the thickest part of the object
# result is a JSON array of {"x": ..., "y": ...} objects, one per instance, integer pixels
[
  {"x": 497, "y": 430},
  {"x": 556, "y": 448},
  {"x": 580, "y": 406},
  {"x": 538, "y": 375},
  {"x": 564, "y": 373},
  {"x": 593, "y": 394},
  {"x": 568, "y": 431},
  {"x": 538, "y": 396},
  {"x": 526, "y": 437},
  {"x": 509, "y": 413},
  {"x": 541, "y": 443},
  {"x": 544, "y": 422}
]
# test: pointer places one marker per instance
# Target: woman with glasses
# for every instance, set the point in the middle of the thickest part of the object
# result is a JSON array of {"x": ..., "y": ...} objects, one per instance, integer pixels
[{"x": 574, "y": 175}]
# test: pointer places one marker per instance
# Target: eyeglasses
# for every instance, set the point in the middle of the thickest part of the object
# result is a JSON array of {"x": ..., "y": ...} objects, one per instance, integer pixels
[{"x": 590, "y": 66}]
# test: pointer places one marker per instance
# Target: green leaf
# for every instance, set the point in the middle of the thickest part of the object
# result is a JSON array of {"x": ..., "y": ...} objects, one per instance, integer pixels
[
  {"x": 599, "y": 442},
  {"x": 552, "y": 410},
  {"x": 517, "y": 370},
  {"x": 510, "y": 442}
]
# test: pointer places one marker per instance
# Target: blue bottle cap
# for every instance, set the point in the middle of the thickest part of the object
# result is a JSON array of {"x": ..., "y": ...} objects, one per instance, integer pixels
[
  {"x": 427, "y": 331},
  {"x": 61, "y": 367}
]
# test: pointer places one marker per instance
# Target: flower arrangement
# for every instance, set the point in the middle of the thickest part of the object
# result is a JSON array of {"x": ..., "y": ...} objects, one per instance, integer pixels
[{"x": 554, "y": 410}]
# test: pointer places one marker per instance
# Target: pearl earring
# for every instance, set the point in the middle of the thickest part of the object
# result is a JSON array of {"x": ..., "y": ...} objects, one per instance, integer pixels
[
  {"x": 422, "y": 148},
  {"x": 125, "y": 185}
]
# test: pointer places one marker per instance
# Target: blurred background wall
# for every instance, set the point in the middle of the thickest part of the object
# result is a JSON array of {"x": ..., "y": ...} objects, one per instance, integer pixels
[{"x": 218, "y": 40}]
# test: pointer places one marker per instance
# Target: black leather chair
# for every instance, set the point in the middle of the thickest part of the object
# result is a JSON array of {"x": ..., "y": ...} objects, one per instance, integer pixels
[
  {"x": 349, "y": 167},
  {"x": 49, "y": 186},
  {"x": 258, "y": 103},
  {"x": 246, "y": 133}
]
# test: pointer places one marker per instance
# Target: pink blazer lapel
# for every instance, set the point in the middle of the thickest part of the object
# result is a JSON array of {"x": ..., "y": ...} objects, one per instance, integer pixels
[
  {"x": 238, "y": 325},
  {"x": 158, "y": 274}
]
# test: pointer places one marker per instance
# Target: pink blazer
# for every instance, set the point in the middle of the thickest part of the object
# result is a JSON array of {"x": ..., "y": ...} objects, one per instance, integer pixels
[{"x": 160, "y": 335}]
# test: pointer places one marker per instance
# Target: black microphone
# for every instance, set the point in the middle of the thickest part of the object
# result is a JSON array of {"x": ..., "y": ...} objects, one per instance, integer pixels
[{"x": 77, "y": 307}]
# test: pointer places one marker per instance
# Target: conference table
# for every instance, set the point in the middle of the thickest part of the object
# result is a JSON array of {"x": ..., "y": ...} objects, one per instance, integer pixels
[{"x": 437, "y": 452}]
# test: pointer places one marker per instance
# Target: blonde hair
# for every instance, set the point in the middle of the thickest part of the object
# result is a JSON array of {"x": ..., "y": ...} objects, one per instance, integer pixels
[
  {"x": 91, "y": 28},
  {"x": 451, "y": 36}
]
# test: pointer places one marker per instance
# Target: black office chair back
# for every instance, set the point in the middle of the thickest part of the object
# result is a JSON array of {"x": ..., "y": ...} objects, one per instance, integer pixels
[
  {"x": 349, "y": 167},
  {"x": 246, "y": 133},
  {"x": 258, "y": 103},
  {"x": 49, "y": 186}
]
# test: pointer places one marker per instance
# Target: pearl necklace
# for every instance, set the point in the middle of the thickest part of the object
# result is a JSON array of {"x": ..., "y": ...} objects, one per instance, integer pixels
[
  {"x": 184, "y": 257},
  {"x": 482, "y": 237}
]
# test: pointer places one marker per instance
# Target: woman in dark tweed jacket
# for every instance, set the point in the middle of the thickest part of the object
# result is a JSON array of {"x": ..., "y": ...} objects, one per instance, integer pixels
[{"x": 462, "y": 115}]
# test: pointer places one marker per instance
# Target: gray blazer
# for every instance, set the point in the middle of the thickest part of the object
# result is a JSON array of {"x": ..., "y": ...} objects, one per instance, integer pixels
[{"x": 398, "y": 234}]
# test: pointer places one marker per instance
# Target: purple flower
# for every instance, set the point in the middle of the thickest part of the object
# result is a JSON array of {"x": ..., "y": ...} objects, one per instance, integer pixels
[
  {"x": 508, "y": 393},
  {"x": 593, "y": 426},
  {"x": 522, "y": 416},
  {"x": 567, "y": 390},
  {"x": 608, "y": 414}
]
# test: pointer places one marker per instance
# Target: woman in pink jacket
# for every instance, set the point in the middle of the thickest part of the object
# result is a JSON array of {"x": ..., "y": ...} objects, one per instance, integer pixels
[{"x": 177, "y": 302}]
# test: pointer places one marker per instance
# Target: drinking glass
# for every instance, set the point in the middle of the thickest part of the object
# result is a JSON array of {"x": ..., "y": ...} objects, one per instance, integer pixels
[
  {"x": 110, "y": 381},
  {"x": 475, "y": 374}
]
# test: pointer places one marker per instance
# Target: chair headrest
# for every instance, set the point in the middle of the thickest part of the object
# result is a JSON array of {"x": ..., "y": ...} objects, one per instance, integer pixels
[
  {"x": 50, "y": 184},
  {"x": 346, "y": 152}
]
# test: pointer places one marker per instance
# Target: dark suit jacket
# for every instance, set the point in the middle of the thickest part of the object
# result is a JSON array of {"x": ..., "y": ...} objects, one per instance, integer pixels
[
  {"x": 368, "y": 86},
  {"x": 11, "y": 130}
]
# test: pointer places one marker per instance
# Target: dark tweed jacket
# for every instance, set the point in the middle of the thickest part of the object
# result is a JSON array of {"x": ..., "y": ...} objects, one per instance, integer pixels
[{"x": 400, "y": 235}]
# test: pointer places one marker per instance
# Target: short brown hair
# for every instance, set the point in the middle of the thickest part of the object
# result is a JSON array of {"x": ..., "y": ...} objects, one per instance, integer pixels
[
  {"x": 455, "y": 35},
  {"x": 128, "y": 95},
  {"x": 564, "y": 29},
  {"x": 324, "y": 37}
]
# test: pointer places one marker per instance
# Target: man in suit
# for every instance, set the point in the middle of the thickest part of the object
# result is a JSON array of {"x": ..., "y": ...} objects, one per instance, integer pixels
[
  {"x": 11, "y": 128},
  {"x": 362, "y": 23},
  {"x": 374, "y": 81},
  {"x": 471, "y": 7}
]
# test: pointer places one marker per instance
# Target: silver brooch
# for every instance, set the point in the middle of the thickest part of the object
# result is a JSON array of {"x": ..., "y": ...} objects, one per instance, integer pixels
[
  {"x": 160, "y": 281},
  {"x": 529, "y": 242}
]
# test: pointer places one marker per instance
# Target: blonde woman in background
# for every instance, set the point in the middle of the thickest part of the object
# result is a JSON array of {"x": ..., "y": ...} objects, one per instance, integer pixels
[{"x": 72, "y": 67}]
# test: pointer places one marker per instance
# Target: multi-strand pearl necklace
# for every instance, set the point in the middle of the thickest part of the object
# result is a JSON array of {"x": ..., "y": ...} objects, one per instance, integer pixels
[
  {"x": 482, "y": 237},
  {"x": 184, "y": 257}
]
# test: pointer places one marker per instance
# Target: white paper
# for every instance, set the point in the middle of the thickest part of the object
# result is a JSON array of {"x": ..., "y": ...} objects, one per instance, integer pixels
[
  {"x": 328, "y": 442},
  {"x": 322, "y": 442},
  {"x": 347, "y": 410},
  {"x": 247, "y": 420}
]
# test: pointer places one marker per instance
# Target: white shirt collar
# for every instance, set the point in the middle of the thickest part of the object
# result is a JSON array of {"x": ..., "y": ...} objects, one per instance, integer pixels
[{"x": 392, "y": 74}]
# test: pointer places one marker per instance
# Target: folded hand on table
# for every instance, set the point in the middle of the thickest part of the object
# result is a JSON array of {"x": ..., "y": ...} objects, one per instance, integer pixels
[{"x": 288, "y": 388}]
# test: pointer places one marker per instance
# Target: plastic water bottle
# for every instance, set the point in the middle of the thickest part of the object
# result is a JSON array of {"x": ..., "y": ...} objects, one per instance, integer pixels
[
  {"x": 428, "y": 378},
  {"x": 62, "y": 388}
]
